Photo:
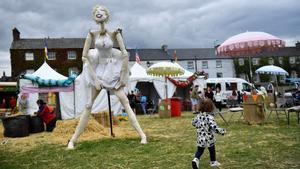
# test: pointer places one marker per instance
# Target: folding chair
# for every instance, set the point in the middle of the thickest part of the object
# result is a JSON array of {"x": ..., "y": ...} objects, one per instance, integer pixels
[
  {"x": 221, "y": 115},
  {"x": 234, "y": 111},
  {"x": 278, "y": 109}
]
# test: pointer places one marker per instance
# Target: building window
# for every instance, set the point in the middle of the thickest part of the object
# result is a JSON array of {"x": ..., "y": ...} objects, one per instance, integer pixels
[
  {"x": 190, "y": 65},
  {"x": 219, "y": 74},
  {"x": 294, "y": 74},
  {"x": 241, "y": 61},
  {"x": 282, "y": 79},
  {"x": 72, "y": 55},
  {"x": 256, "y": 78},
  {"x": 29, "y": 71},
  {"x": 73, "y": 70},
  {"x": 218, "y": 63},
  {"x": 204, "y": 65},
  {"x": 292, "y": 60},
  {"x": 271, "y": 61},
  {"x": 29, "y": 56},
  {"x": 51, "y": 55},
  {"x": 243, "y": 76},
  {"x": 255, "y": 61},
  {"x": 280, "y": 60}
]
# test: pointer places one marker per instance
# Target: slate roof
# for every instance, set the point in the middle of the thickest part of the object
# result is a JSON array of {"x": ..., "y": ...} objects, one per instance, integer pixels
[
  {"x": 182, "y": 54},
  {"x": 52, "y": 43}
]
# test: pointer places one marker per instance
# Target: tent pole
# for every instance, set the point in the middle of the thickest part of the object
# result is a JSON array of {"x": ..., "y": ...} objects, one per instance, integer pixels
[
  {"x": 275, "y": 99},
  {"x": 166, "y": 86},
  {"x": 250, "y": 69},
  {"x": 110, "y": 114},
  {"x": 74, "y": 98}
]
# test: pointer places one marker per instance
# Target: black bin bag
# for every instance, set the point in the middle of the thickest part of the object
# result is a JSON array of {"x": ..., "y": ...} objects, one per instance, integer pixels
[{"x": 17, "y": 126}]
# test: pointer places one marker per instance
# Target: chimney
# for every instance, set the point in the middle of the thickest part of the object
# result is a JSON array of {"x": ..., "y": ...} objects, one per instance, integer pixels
[
  {"x": 297, "y": 44},
  {"x": 164, "y": 47},
  {"x": 16, "y": 34}
]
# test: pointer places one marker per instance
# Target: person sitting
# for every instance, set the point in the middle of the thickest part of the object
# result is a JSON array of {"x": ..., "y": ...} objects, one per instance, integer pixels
[
  {"x": 12, "y": 103},
  {"x": 47, "y": 114},
  {"x": 150, "y": 107},
  {"x": 3, "y": 104},
  {"x": 132, "y": 100},
  {"x": 23, "y": 103},
  {"x": 232, "y": 100}
]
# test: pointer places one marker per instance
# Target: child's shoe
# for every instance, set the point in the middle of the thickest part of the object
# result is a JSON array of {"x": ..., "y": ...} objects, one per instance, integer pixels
[
  {"x": 214, "y": 164},
  {"x": 195, "y": 163}
]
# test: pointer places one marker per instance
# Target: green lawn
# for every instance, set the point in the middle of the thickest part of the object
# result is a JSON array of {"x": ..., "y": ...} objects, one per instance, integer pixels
[{"x": 171, "y": 145}]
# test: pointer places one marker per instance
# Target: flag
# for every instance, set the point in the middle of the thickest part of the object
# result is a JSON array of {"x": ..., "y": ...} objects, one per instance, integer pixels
[
  {"x": 175, "y": 56},
  {"x": 137, "y": 57},
  {"x": 46, "y": 50}
]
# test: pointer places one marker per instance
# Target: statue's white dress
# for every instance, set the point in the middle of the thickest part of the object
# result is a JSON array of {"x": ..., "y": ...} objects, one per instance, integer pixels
[{"x": 106, "y": 61}]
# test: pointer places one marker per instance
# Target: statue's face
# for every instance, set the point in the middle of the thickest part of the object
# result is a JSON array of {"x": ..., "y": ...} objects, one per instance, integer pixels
[{"x": 100, "y": 15}]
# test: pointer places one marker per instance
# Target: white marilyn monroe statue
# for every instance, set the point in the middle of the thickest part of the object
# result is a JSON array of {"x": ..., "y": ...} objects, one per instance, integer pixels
[{"x": 105, "y": 67}]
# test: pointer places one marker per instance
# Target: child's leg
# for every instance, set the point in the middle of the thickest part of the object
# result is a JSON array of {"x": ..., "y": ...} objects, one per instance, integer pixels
[
  {"x": 199, "y": 152},
  {"x": 212, "y": 153}
]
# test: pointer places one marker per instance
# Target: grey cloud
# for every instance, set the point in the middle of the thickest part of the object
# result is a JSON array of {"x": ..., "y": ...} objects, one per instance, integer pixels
[{"x": 150, "y": 23}]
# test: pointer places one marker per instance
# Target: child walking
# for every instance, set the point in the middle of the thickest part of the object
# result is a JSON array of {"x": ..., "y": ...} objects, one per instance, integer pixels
[{"x": 206, "y": 128}]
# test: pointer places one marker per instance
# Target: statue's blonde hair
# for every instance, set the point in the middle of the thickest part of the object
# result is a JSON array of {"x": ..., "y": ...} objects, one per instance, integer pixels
[{"x": 106, "y": 12}]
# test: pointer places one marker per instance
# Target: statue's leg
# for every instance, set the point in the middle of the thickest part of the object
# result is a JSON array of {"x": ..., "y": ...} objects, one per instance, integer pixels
[
  {"x": 92, "y": 94},
  {"x": 135, "y": 124}
]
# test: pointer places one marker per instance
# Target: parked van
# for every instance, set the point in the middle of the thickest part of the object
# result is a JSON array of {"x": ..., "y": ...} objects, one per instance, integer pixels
[{"x": 227, "y": 85}]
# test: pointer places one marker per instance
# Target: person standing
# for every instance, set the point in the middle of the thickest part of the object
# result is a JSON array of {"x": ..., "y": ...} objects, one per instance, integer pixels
[
  {"x": 47, "y": 114},
  {"x": 194, "y": 98},
  {"x": 209, "y": 94},
  {"x": 206, "y": 127},
  {"x": 218, "y": 99},
  {"x": 23, "y": 103}
]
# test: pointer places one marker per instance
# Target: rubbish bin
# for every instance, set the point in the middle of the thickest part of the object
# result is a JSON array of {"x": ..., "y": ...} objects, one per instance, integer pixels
[{"x": 175, "y": 106}]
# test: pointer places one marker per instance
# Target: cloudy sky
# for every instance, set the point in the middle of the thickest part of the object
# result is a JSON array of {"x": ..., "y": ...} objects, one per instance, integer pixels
[{"x": 150, "y": 23}]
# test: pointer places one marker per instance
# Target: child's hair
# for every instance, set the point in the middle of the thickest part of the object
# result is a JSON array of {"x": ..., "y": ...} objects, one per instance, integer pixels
[{"x": 206, "y": 106}]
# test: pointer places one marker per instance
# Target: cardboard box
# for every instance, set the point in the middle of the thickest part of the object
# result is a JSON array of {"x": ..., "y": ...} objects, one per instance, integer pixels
[{"x": 164, "y": 109}]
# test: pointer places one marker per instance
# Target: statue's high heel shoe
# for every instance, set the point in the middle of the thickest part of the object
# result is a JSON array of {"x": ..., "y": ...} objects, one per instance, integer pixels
[{"x": 70, "y": 145}]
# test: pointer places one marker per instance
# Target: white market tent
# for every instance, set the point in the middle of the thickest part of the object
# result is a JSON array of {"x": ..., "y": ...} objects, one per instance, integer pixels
[
  {"x": 69, "y": 107},
  {"x": 44, "y": 72},
  {"x": 138, "y": 74}
]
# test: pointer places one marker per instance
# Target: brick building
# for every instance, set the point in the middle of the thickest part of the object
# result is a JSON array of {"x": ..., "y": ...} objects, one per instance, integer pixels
[{"x": 27, "y": 55}]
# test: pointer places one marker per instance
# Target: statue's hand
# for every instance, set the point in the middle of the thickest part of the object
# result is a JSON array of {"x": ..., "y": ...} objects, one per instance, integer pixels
[
  {"x": 84, "y": 59},
  {"x": 98, "y": 85},
  {"x": 119, "y": 30},
  {"x": 125, "y": 54}
]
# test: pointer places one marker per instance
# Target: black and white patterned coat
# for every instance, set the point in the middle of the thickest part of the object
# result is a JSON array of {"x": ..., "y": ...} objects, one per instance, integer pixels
[{"x": 206, "y": 128}]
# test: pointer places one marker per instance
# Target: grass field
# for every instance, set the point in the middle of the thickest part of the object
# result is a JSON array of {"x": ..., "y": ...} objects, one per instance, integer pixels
[{"x": 171, "y": 145}]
